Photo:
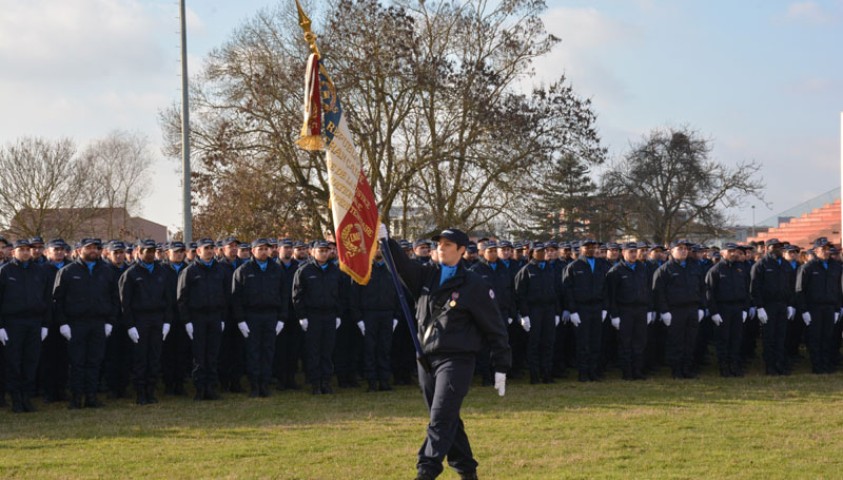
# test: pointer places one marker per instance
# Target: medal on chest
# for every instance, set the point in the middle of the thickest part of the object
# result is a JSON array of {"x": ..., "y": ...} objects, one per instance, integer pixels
[{"x": 454, "y": 297}]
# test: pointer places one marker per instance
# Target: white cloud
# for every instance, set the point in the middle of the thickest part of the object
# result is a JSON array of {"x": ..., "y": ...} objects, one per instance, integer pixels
[{"x": 812, "y": 13}]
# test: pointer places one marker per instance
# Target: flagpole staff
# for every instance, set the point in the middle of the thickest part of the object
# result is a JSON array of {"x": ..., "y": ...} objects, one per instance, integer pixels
[{"x": 309, "y": 36}]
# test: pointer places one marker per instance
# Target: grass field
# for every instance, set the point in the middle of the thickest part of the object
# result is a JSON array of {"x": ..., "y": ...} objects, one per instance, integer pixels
[{"x": 753, "y": 427}]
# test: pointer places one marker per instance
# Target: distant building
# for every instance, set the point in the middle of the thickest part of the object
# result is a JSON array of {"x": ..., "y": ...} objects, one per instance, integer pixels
[{"x": 76, "y": 223}]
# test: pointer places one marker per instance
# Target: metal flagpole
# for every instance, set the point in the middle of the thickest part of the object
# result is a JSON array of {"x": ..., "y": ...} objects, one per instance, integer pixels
[{"x": 185, "y": 132}]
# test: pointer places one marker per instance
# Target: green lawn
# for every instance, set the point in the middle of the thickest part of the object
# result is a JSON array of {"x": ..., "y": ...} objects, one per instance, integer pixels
[{"x": 754, "y": 427}]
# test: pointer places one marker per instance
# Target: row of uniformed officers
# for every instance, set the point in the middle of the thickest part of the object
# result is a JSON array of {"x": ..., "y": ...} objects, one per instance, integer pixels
[{"x": 225, "y": 314}]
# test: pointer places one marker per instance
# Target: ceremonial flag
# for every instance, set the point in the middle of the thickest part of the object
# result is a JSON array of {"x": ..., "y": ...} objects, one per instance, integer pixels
[{"x": 352, "y": 203}]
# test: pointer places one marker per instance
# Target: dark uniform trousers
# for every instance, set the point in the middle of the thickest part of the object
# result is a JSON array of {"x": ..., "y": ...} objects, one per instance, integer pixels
[
  {"x": 632, "y": 339},
  {"x": 589, "y": 340},
  {"x": 403, "y": 352},
  {"x": 444, "y": 389},
  {"x": 175, "y": 356},
  {"x": 22, "y": 351},
  {"x": 320, "y": 337},
  {"x": 518, "y": 340},
  {"x": 260, "y": 346},
  {"x": 86, "y": 350},
  {"x": 728, "y": 337},
  {"x": 117, "y": 362},
  {"x": 288, "y": 352},
  {"x": 348, "y": 349},
  {"x": 775, "y": 337},
  {"x": 53, "y": 365},
  {"x": 377, "y": 345},
  {"x": 820, "y": 338},
  {"x": 232, "y": 358},
  {"x": 682, "y": 338},
  {"x": 207, "y": 338},
  {"x": 541, "y": 336},
  {"x": 146, "y": 354}
]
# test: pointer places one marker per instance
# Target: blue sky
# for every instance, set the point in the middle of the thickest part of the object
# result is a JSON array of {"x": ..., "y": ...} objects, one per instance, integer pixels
[{"x": 762, "y": 79}]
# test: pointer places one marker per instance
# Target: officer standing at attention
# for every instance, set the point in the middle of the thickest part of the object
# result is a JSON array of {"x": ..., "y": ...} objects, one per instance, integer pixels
[
  {"x": 679, "y": 293},
  {"x": 583, "y": 286},
  {"x": 818, "y": 292},
  {"x": 54, "y": 363},
  {"x": 148, "y": 302},
  {"x": 538, "y": 304},
  {"x": 727, "y": 291},
  {"x": 25, "y": 313},
  {"x": 773, "y": 296},
  {"x": 455, "y": 314},
  {"x": 86, "y": 306},
  {"x": 630, "y": 305},
  {"x": 316, "y": 298},
  {"x": 117, "y": 365},
  {"x": 176, "y": 359},
  {"x": 259, "y": 299},
  {"x": 203, "y": 297},
  {"x": 288, "y": 346}
]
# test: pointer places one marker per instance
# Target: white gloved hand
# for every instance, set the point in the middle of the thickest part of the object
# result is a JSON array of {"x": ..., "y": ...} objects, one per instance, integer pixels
[
  {"x": 244, "y": 329},
  {"x": 64, "y": 330},
  {"x": 525, "y": 323},
  {"x": 836, "y": 317},
  {"x": 4, "y": 337},
  {"x": 279, "y": 326},
  {"x": 762, "y": 316},
  {"x": 509, "y": 321},
  {"x": 700, "y": 315},
  {"x": 133, "y": 334},
  {"x": 566, "y": 316},
  {"x": 108, "y": 329},
  {"x": 362, "y": 327},
  {"x": 603, "y": 314},
  {"x": 500, "y": 383},
  {"x": 575, "y": 319},
  {"x": 651, "y": 317},
  {"x": 556, "y": 320},
  {"x": 188, "y": 327},
  {"x": 338, "y": 323},
  {"x": 806, "y": 317},
  {"x": 717, "y": 319},
  {"x": 44, "y": 332},
  {"x": 222, "y": 326},
  {"x": 791, "y": 312},
  {"x": 744, "y": 316},
  {"x": 164, "y": 331},
  {"x": 382, "y": 232},
  {"x": 752, "y": 312},
  {"x": 666, "y": 318},
  {"x": 395, "y": 323},
  {"x": 616, "y": 322},
  {"x": 303, "y": 323}
]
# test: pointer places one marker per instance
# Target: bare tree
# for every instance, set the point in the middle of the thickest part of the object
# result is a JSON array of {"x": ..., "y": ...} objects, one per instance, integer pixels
[{"x": 668, "y": 186}]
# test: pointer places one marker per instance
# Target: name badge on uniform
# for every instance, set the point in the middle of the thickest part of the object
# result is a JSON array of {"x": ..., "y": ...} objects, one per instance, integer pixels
[{"x": 454, "y": 297}]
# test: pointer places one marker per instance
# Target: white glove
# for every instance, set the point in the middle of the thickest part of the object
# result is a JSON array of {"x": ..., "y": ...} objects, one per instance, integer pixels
[
  {"x": 108, "y": 329},
  {"x": 303, "y": 323},
  {"x": 806, "y": 317},
  {"x": 762, "y": 316},
  {"x": 743, "y": 316},
  {"x": 44, "y": 332},
  {"x": 666, "y": 318},
  {"x": 279, "y": 326},
  {"x": 165, "y": 330},
  {"x": 64, "y": 330},
  {"x": 603, "y": 314},
  {"x": 222, "y": 326},
  {"x": 525, "y": 323},
  {"x": 188, "y": 327},
  {"x": 362, "y": 327},
  {"x": 244, "y": 329},
  {"x": 651, "y": 317},
  {"x": 575, "y": 319},
  {"x": 616, "y": 322},
  {"x": 395, "y": 323},
  {"x": 791, "y": 312},
  {"x": 556, "y": 320},
  {"x": 717, "y": 319},
  {"x": 500, "y": 383},
  {"x": 509, "y": 321},
  {"x": 133, "y": 334},
  {"x": 338, "y": 323},
  {"x": 4, "y": 337},
  {"x": 700, "y": 315},
  {"x": 566, "y": 316},
  {"x": 836, "y": 317},
  {"x": 752, "y": 312},
  {"x": 382, "y": 232}
]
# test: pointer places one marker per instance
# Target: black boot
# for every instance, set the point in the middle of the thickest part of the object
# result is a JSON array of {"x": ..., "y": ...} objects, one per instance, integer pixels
[
  {"x": 263, "y": 390},
  {"x": 385, "y": 386},
  {"x": 3, "y": 403},
  {"x": 141, "y": 396},
  {"x": 17, "y": 403},
  {"x": 316, "y": 390},
  {"x": 290, "y": 382},
  {"x": 254, "y": 391},
  {"x": 373, "y": 386},
  {"x": 326, "y": 387},
  {"x": 27, "y": 403},
  {"x": 150, "y": 394},
  {"x": 468, "y": 476},
  {"x": 75, "y": 402},
  {"x": 211, "y": 393},
  {"x": 200, "y": 394},
  {"x": 534, "y": 378},
  {"x": 178, "y": 389},
  {"x": 91, "y": 401}
]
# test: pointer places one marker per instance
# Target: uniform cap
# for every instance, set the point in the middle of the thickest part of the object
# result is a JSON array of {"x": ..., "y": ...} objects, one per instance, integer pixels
[{"x": 453, "y": 234}]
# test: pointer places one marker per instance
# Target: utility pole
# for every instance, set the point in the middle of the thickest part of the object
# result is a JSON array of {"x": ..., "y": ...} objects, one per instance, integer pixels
[{"x": 185, "y": 131}]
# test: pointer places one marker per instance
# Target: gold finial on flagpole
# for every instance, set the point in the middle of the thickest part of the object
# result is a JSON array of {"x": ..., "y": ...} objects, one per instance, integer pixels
[{"x": 309, "y": 36}]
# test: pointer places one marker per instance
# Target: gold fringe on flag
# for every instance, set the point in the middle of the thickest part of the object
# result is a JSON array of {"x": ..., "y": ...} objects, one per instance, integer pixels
[{"x": 311, "y": 130}]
